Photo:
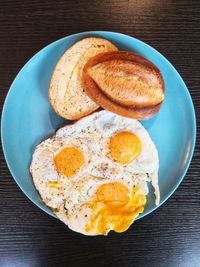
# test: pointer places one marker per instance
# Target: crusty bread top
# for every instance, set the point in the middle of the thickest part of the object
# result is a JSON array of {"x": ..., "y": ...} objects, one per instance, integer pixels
[
  {"x": 124, "y": 83},
  {"x": 128, "y": 83},
  {"x": 66, "y": 92}
]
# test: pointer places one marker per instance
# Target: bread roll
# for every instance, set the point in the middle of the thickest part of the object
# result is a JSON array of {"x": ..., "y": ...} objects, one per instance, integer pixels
[
  {"x": 124, "y": 83},
  {"x": 66, "y": 92}
]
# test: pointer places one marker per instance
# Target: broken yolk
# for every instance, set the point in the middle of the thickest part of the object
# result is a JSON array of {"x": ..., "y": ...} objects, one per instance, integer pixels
[
  {"x": 125, "y": 147},
  {"x": 114, "y": 209},
  {"x": 68, "y": 161}
]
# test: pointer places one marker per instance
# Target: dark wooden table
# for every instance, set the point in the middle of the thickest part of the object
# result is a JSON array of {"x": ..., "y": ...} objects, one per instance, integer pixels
[{"x": 168, "y": 237}]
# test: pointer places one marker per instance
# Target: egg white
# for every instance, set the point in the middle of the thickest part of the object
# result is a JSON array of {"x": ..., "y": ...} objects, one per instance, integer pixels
[
  {"x": 44, "y": 170},
  {"x": 91, "y": 135},
  {"x": 76, "y": 213}
]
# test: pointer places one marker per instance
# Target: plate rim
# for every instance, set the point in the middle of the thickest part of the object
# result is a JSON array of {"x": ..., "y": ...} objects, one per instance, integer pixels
[{"x": 193, "y": 117}]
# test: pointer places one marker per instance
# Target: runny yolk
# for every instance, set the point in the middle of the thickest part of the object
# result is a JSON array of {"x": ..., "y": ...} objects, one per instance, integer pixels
[
  {"x": 68, "y": 161},
  {"x": 114, "y": 209},
  {"x": 125, "y": 147}
]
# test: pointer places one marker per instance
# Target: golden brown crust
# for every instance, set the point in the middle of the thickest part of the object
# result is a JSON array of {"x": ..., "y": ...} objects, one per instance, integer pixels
[
  {"x": 127, "y": 108},
  {"x": 128, "y": 83}
]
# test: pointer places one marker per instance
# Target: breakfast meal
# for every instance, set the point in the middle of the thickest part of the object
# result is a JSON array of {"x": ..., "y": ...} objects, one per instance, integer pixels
[{"x": 94, "y": 173}]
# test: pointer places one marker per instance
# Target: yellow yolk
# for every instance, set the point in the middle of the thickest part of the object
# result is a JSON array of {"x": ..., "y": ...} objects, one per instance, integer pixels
[
  {"x": 125, "y": 147},
  {"x": 118, "y": 214},
  {"x": 68, "y": 161},
  {"x": 112, "y": 192},
  {"x": 53, "y": 184}
]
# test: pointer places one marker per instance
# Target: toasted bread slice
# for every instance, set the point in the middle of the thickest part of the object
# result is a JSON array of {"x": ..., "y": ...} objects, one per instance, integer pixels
[
  {"x": 124, "y": 83},
  {"x": 66, "y": 91}
]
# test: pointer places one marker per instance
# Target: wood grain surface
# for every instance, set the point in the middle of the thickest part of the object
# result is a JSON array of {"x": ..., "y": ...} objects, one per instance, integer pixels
[{"x": 168, "y": 237}]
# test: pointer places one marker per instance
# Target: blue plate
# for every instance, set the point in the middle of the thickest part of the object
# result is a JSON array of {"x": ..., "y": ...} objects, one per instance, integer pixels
[{"x": 28, "y": 117}]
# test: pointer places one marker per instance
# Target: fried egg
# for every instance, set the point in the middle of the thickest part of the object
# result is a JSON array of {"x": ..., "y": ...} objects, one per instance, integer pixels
[
  {"x": 96, "y": 206},
  {"x": 93, "y": 174},
  {"x": 56, "y": 163}
]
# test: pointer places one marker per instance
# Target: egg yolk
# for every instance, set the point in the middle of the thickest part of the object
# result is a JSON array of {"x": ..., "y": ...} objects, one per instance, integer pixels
[
  {"x": 112, "y": 192},
  {"x": 53, "y": 184},
  {"x": 125, "y": 147},
  {"x": 114, "y": 209},
  {"x": 68, "y": 161}
]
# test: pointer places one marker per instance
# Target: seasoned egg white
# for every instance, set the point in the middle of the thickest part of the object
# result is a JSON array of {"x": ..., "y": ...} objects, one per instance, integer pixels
[
  {"x": 73, "y": 168},
  {"x": 77, "y": 212},
  {"x": 51, "y": 184}
]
